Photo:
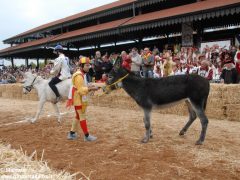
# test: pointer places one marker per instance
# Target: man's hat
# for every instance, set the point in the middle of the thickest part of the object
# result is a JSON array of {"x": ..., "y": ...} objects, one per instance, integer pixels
[
  {"x": 58, "y": 47},
  {"x": 84, "y": 60}
]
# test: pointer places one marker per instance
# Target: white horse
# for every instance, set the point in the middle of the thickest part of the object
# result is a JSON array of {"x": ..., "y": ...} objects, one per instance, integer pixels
[{"x": 45, "y": 93}]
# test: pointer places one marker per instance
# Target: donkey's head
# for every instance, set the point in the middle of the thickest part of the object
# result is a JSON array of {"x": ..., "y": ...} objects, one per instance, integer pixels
[
  {"x": 29, "y": 80},
  {"x": 116, "y": 75}
]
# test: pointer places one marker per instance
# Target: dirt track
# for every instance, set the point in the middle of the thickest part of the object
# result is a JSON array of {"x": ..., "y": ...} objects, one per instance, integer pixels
[{"x": 118, "y": 153}]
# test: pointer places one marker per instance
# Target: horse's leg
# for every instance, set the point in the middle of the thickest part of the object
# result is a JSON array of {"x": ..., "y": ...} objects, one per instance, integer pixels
[
  {"x": 192, "y": 117},
  {"x": 57, "y": 112},
  {"x": 40, "y": 107},
  {"x": 147, "y": 114},
  {"x": 199, "y": 109}
]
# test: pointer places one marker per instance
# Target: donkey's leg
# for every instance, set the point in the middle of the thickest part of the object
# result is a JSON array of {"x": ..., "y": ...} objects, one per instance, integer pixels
[
  {"x": 147, "y": 114},
  {"x": 192, "y": 117},
  {"x": 204, "y": 122},
  {"x": 57, "y": 112},
  {"x": 40, "y": 107},
  {"x": 151, "y": 133}
]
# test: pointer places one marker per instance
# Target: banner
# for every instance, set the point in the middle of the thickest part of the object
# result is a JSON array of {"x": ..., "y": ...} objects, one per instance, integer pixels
[
  {"x": 216, "y": 44},
  {"x": 187, "y": 35}
]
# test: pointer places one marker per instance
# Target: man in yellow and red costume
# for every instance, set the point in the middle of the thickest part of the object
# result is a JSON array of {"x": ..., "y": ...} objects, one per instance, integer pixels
[{"x": 78, "y": 97}]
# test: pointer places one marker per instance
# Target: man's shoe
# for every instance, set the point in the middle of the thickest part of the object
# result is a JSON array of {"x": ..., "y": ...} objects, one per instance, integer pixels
[
  {"x": 72, "y": 136},
  {"x": 90, "y": 138}
]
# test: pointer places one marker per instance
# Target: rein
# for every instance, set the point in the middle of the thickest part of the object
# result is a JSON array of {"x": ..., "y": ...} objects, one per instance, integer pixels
[
  {"x": 107, "y": 88},
  {"x": 29, "y": 88}
]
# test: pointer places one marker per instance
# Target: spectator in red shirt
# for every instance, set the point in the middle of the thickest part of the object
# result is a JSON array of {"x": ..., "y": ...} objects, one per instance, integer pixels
[
  {"x": 103, "y": 79},
  {"x": 126, "y": 61},
  {"x": 237, "y": 62}
]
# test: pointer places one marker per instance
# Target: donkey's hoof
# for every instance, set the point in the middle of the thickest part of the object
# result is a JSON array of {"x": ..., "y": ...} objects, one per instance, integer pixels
[
  {"x": 151, "y": 136},
  {"x": 145, "y": 140},
  {"x": 199, "y": 142},
  {"x": 182, "y": 133},
  {"x": 32, "y": 121}
]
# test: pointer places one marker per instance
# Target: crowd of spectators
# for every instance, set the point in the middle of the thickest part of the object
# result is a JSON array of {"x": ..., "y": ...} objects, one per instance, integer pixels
[
  {"x": 217, "y": 64},
  {"x": 9, "y": 74}
]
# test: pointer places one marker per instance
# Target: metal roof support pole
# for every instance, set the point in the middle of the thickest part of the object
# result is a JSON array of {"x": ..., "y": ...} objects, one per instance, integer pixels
[
  {"x": 140, "y": 43},
  {"x": 38, "y": 63},
  {"x": 12, "y": 61},
  {"x": 45, "y": 61},
  {"x": 199, "y": 35},
  {"x": 115, "y": 46},
  {"x": 68, "y": 47},
  {"x": 26, "y": 62}
]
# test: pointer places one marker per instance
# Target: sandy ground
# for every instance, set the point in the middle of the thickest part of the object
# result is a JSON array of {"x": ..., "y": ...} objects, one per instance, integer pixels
[{"x": 118, "y": 153}]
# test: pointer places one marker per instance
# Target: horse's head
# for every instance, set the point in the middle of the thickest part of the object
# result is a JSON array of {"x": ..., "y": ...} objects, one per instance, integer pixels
[
  {"x": 116, "y": 75},
  {"x": 29, "y": 80}
]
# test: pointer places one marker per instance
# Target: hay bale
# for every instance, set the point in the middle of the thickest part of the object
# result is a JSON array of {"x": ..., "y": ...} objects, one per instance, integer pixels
[
  {"x": 233, "y": 112},
  {"x": 231, "y": 94},
  {"x": 216, "y": 113},
  {"x": 215, "y": 103},
  {"x": 215, "y": 91}
]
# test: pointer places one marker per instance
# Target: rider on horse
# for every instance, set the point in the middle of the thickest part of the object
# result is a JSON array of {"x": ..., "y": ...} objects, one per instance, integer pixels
[{"x": 61, "y": 70}]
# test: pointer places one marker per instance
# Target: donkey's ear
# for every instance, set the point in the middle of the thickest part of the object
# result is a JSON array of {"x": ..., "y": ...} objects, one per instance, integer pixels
[{"x": 118, "y": 63}]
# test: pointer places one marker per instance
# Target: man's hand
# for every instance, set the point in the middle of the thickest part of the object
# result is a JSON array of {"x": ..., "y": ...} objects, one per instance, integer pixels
[{"x": 92, "y": 87}]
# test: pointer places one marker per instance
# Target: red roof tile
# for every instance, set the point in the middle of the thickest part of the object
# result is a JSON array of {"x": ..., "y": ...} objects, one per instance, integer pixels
[
  {"x": 185, "y": 9},
  {"x": 27, "y": 44},
  {"x": 79, "y": 32}
]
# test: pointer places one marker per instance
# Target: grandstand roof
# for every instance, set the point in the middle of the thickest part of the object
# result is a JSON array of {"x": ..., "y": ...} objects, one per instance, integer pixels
[
  {"x": 75, "y": 16},
  {"x": 192, "y": 12}
]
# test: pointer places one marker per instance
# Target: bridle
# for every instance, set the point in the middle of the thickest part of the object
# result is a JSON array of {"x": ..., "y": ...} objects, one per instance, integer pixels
[
  {"x": 107, "y": 88},
  {"x": 29, "y": 88}
]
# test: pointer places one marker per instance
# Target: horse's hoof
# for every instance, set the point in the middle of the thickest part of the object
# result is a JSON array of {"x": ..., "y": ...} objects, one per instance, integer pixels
[
  {"x": 151, "y": 136},
  {"x": 182, "y": 133},
  {"x": 145, "y": 140},
  {"x": 199, "y": 142},
  {"x": 32, "y": 120},
  {"x": 59, "y": 120}
]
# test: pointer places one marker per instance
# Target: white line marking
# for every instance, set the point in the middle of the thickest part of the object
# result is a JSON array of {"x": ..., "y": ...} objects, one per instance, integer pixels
[{"x": 27, "y": 119}]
